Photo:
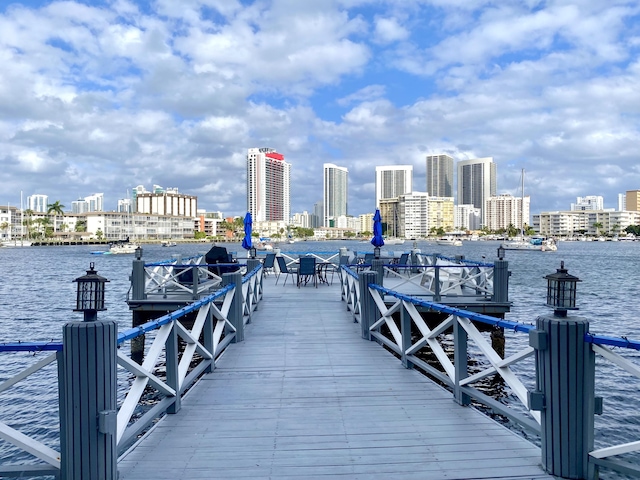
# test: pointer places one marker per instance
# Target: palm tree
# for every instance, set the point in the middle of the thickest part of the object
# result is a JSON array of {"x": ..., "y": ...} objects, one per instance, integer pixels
[
  {"x": 57, "y": 209},
  {"x": 597, "y": 226}
]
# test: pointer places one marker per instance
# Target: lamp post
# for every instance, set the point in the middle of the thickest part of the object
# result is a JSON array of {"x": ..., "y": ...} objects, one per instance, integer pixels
[
  {"x": 90, "y": 296},
  {"x": 376, "y": 252},
  {"x": 252, "y": 252},
  {"x": 89, "y": 377},
  {"x": 565, "y": 376},
  {"x": 561, "y": 291},
  {"x": 500, "y": 252}
]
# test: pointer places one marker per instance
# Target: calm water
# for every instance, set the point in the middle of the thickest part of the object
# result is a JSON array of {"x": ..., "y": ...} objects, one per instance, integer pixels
[{"x": 37, "y": 296}]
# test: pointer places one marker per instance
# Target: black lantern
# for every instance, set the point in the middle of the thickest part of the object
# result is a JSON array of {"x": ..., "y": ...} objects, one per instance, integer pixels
[
  {"x": 500, "y": 252},
  {"x": 376, "y": 252},
  {"x": 252, "y": 252},
  {"x": 561, "y": 291},
  {"x": 90, "y": 298}
]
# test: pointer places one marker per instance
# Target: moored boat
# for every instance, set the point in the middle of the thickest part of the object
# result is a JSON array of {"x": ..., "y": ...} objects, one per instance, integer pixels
[{"x": 449, "y": 241}]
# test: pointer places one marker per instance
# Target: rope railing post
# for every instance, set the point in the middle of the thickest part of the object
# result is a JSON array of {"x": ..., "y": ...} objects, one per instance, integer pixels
[
  {"x": 207, "y": 339},
  {"x": 405, "y": 329},
  {"x": 501, "y": 281},
  {"x": 436, "y": 283},
  {"x": 252, "y": 263},
  {"x": 89, "y": 408},
  {"x": 137, "y": 278},
  {"x": 172, "y": 366},
  {"x": 565, "y": 376},
  {"x": 235, "y": 310},
  {"x": 377, "y": 266},
  {"x": 460, "y": 346},
  {"x": 368, "y": 308}
]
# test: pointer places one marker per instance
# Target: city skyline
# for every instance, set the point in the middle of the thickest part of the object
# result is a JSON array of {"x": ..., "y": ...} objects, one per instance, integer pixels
[{"x": 98, "y": 96}]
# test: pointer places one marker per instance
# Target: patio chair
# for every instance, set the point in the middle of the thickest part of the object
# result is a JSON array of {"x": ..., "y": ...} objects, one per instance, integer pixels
[
  {"x": 268, "y": 266},
  {"x": 284, "y": 269},
  {"x": 307, "y": 271},
  {"x": 402, "y": 261}
]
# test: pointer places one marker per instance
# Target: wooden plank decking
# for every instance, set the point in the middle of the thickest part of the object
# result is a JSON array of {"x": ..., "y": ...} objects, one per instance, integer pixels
[{"x": 305, "y": 397}]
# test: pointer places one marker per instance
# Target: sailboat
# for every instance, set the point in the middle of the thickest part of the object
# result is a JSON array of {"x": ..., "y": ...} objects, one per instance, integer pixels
[
  {"x": 521, "y": 243},
  {"x": 18, "y": 242}
]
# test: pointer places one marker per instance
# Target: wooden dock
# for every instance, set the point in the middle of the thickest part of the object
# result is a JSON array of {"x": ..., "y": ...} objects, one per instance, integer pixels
[{"x": 304, "y": 396}]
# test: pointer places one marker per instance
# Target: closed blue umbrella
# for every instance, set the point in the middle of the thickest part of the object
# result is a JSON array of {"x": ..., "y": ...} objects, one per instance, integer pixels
[
  {"x": 248, "y": 223},
  {"x": 377, "y": 240}
]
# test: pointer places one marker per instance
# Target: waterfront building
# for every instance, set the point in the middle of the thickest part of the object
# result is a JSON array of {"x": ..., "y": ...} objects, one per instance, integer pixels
[
  {"x": 622, "y": 202},
  {"x": 440, "y": 213},
  {"x": 318, "y": 212},
  {"x": 590, "y": 202},
  {"x": 412, "y": 215},
  {"x": 466, "y": 217},
  {"x": 390, "y": 214},
  {"x": 268, "y": 185},
  {"x": 392, "y": 181},
  {"x": 366, "y": 222},
  {"x": 37, "y": 203},
  {"x": 574, "y": 222},
  {"x": 92, "y": 203},
  {"x": 332, "y": 233},
  {"x": 303, "y": 220},
  {"x": 166, "y": 202},
  {"x": 335, "y": 193},
  {"x": 477, "y": 182},
  {"x": 117, "y": 225},
  {"x": 504, "y": 210},
  {"x": 632, "y": 201},
  {"x": 208, "y": 222},
  {"x": 125, "y": 205},
  {"x": 440, "y": 175}
]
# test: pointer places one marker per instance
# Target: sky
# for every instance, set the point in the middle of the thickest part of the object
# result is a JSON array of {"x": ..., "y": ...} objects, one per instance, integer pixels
[{"x": 102, "y": 96}]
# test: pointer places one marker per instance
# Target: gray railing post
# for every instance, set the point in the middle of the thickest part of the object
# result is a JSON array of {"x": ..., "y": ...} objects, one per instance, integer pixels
[
  {"x": 252, "y": 263},
  {"x": 377, "y": 266},
  {"x": 436, "y": 282},
  {"x": 195, "y": 273},
  {"x": 565, "y": 376},
  {"x": 207, "y": 334},
  {"x": 405, "y": 329},
  {"x": 88, "y": 417},
  {"x": 501, "y": 281},
  {"x": 368, "y": 308},
  {"x": 137, "y": 278},
  {"x": 172, "y": 362},
  {"x": 460, "y": 345},
  {"x": 235, "y": 310}
]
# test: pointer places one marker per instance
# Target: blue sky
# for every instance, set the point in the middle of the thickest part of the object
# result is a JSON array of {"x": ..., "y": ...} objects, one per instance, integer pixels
[{"x": 103, "y": 96}]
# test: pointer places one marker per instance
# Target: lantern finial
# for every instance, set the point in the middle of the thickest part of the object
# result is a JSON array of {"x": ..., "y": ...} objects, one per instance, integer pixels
[
  {"x": 90, "y": 296},
  {"x": 561, "y": 291}
]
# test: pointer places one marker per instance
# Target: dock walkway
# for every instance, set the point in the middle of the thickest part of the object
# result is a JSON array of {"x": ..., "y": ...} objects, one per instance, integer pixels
[{"x": 305, "y": 397}]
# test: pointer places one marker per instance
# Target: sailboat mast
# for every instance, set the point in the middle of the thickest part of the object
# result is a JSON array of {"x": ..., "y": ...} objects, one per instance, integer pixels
[{"x": 522, "y": 206}]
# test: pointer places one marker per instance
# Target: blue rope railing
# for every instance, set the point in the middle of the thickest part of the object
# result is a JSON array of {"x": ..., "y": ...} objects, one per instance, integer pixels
[
  {"x": 31, "y": 347},
  {"x": 134, "y": 332},
  {"x": 478, "y": 317},
  {"x": 622, "y": 342}
]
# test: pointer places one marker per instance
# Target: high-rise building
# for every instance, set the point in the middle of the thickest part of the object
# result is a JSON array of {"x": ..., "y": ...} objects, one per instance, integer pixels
[
  {"x": 476, "y": 183},
  {"x": 632, "y": 201},
  {"x": 37, "y": 203},
  {"x": 336, "y": 192},
  {"x": 268, "y": 185},
  {"x": 393, "y": 181},
  {"x": 440, "y": 175},
  {"x": 505, "y": 210},
  {"x": 622, "y": 202},
  {"x": 590, "y": 202}
]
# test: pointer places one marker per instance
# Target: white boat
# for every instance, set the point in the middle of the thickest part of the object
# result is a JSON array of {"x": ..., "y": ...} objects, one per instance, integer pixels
[
  {"x": 394, "y": 241},
  {"x": 166, "y": 243},
  {"x": 16, "y": 243},
  {"x": 539, "y": 244},
  {"x": 123, "y": 248},
  {"x": 449, "y": 241}
]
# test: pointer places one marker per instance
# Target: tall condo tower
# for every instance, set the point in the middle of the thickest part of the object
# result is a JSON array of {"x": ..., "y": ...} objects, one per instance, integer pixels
[
  {"x": 268, "y": 185},
  {"x": 440, "y": 175},
  {"x": 335, "y": 193},
  {"x": 393, "y": 181},
  {"x": 476, "y": 183}
]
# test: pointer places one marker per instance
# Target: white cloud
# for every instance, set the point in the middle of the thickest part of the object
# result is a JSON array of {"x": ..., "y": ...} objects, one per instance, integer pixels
[{"x": 389, "y": 30}]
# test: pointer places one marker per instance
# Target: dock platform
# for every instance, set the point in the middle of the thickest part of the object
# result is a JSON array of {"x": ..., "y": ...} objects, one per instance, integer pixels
[{"x": 305, "y": 397}]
